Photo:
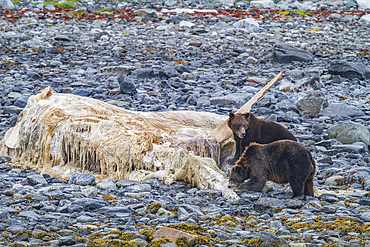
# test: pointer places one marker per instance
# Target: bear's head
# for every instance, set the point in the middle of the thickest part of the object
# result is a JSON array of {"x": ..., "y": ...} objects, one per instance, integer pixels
[
  {"x": 239, "y": 123},
  {"x": 238, "y": 175}
]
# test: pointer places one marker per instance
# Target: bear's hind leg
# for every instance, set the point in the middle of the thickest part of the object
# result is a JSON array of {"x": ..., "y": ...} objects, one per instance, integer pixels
[
  {"x": 297, "y": 186},
  {"x": 308, "y": 186}
]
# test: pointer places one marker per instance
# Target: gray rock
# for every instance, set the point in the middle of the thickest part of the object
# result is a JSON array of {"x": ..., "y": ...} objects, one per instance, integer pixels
[
  {"x": 126, "y": 85},
  {"x": 363, "y": 4},
  {"x": 68, "y": 240},
  {"x": 311, "y": 104},
  {"x": 170, "y": 71},
  {"x": 288, "y": 54},
  {"x": 334, "y": 180},
  {"x": 6, "y": 4},
  {"x": 335, "y": 17},
  {"x": 36, "y": 179},
  {"x": 5, "y": 167},
  {"x": 365, "y": 20},
  {"x": 349, "y": 70},
  {"x": 12, "y": 109},
  {"x": 260, "y": 4},
  {"x": 365, "y": 216},
  {"x": 140, "y": 187},
  {"x": 357, "y": 147},
  {"x": 82, "y": 179},
  {"x": 14, "y": 229},
  {"x": 349, "y": 133},
  {"x": 125, "y": 183},
  {"x": 340, "y": 111},
  {"x": 234, "y": 99},
  {"x": 144, "y": 73},
  {"x": 249, "y": 24},
  {"x": 106, "y": 185}
]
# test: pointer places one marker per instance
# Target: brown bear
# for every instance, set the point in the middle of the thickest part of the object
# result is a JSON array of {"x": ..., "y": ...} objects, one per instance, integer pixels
[
  {"x": 247, "y": 128},
  {"x": 282, "y": 162}
]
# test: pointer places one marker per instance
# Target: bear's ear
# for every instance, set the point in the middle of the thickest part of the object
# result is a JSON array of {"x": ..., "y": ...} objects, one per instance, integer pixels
[
  {"x": 231, "y": 114},
  {"x": 246, "y": 115}
]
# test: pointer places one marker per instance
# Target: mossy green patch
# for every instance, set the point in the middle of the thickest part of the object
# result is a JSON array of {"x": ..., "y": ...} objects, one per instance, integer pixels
[{"x": 302, "y": 12}]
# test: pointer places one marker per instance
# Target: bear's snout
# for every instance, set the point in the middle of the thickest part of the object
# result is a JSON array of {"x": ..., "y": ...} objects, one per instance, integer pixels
[{"x": 242, "y": 134}]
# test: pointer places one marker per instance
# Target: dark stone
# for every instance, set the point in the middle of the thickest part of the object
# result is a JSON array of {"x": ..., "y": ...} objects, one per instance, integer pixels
[
  {"x": 89, "y": 204},
  {"x": 349, "y": 70},
  {"x": 169, "y": 72},
  {"x": 328, "y": 143},
  {"x": 34, "y": 75},
  {"x": 218, "y": 61},
  {"x": 68, "y": 240},
  {"x": 288, "y": 54},
  {"x": 126, "y": 85},
  {"x": 5, "y": 167},
  {"x": 145, "y": 73},
  {"x": 364, "y": 202},
  {"x": 182, "y": 68},
  {"x": 174, "y": 19},
  {"x": 21, "y": 101},
  {"x": 62, "y": 38},
  {"x": 81, "y": 92}
]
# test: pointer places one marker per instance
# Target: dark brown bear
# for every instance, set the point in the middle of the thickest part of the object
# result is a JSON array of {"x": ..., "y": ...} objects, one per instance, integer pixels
[
  {"x": 282, "y": 162},
  {"x": 247, "y": 128}
]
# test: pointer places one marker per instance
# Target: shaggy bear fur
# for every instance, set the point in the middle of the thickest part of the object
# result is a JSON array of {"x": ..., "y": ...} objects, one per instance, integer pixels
[
  {"x": 247, "y": 128},
  {"x": 282, "y": 162}
]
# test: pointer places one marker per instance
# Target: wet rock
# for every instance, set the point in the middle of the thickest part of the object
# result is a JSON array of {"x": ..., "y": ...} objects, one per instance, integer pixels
[
  {"x": 288, "y": 54},
  {"x": 126, "y": 85},
  {"x": 349, "y": 70}
]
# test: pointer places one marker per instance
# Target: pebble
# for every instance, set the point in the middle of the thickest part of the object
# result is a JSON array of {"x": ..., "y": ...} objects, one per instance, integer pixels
[{"x": 164, "y": 55}]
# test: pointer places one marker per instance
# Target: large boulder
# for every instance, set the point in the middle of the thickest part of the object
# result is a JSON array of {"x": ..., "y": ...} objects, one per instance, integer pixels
[
  {"x": 349, "y": 70},
  {"x": 311, "y": 104},
  {"x": 289, "y": 54},
  {"x": 340, "y": 111},
  {"x": 6, "y": 4},
  {"x": 363, "y": 4},
  {"x": 350, "y": 132}
]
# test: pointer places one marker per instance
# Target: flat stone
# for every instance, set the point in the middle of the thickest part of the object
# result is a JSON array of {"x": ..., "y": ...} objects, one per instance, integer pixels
[
  {"x": 288, "y": 54},
  {"x": 349, "y": 70}
]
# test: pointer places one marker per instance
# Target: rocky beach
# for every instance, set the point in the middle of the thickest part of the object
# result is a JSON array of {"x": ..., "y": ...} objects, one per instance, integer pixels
[{"x": 199, "y": 55}]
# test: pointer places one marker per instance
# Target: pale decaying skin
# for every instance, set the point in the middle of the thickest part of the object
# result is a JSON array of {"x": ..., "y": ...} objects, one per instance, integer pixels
[{"x": 61, "y": 134}]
